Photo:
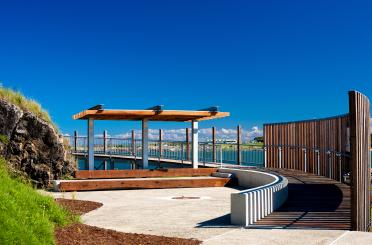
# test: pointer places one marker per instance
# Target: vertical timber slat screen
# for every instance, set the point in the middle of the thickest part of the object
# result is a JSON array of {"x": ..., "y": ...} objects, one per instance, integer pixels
[
  {"x": 315, "y": 146},
  {"x": 329, "y": 147},
  {"x": 359, "y": 108}
]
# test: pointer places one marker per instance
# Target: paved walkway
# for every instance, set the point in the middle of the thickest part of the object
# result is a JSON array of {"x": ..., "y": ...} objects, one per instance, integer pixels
[
  {"x": 155, "y": 212},
  {"x": 317, "y": 212},
  {"x": 291, "y": 237}
]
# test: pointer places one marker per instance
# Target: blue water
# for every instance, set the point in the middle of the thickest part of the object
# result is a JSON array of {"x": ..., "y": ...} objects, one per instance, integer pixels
[{"x": 120, "y": 164}]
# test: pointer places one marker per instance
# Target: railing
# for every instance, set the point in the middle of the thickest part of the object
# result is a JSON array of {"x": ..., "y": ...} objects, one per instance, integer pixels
[
  {"x": 325, "y": 162},
  {"x": 173, "y": 150}
]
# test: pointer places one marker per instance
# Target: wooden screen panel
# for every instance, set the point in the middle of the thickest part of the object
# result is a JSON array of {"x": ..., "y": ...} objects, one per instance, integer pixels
[
  {"x": 298, "y": 142},
  {"x": 359, "y": 108},
  {"x": 334, "y": 146}
]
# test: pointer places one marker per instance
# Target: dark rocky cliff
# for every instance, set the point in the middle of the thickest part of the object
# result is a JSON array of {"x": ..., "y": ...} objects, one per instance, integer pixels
[{"x": 32, "y": 146}]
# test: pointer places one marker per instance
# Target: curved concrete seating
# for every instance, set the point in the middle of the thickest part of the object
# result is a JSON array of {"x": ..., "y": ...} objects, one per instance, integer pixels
[{"x": 266, "y": 193}]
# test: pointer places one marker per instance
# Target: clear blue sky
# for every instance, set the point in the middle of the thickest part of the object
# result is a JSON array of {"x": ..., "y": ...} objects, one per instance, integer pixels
[{"x": 264, "y": 61}]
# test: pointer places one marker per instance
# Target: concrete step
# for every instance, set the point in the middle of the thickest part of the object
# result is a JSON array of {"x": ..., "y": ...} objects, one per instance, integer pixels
[
  {"x": 139, "y": 183},
  {"x": 222, "y": 175}
]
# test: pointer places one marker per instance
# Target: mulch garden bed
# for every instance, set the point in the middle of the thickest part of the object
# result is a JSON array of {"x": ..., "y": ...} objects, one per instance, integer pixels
[
  {"x": 78, "y": 207},
  {"x": 85, "y": 234}
]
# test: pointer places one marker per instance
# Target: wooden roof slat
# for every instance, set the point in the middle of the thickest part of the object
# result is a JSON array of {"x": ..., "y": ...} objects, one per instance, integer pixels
[{"x": 152, "y": 115}]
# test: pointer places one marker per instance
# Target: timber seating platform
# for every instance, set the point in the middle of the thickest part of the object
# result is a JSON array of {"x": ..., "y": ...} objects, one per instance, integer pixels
[
  {"x": 143, "y": 173},
  {"x": 142, "y": 179},
  {"x": 141, "y": 183},
  {"x": 314, "y": 202}
]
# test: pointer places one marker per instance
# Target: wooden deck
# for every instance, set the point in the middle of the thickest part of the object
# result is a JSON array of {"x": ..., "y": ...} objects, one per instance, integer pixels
[{"x": 314, "y": 202}]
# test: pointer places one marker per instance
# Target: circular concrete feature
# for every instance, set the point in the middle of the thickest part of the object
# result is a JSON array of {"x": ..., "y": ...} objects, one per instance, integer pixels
[{"x": 185, "y": 197}]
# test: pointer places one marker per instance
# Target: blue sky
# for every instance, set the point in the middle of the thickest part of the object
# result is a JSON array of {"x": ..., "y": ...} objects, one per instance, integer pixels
[{"x": 264, "y": 61}]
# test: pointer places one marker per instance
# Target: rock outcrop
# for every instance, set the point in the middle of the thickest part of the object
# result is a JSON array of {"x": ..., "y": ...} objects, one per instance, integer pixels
[{"x": 33, "y": 146}]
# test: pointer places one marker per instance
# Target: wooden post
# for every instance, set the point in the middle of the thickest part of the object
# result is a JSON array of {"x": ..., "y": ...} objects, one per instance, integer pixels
[
  {"x": 160, "y": 143},
  {"x": 360, "y": 142},
  {"x": 75, "y": 140},
  {"x": 105, "y": 142},
  {"x": 238, "y": 141},
  {"x": 214, "y": 144},
  {"x": 133, "y": 143},
  {"x": 187, "y": 144}
]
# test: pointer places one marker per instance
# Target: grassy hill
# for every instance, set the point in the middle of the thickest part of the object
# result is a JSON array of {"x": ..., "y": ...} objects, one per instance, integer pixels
[{"x": 26, "y": 216}]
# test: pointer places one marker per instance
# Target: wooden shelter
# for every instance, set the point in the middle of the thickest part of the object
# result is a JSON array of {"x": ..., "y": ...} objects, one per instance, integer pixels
[{"x": 152, "y": 114}]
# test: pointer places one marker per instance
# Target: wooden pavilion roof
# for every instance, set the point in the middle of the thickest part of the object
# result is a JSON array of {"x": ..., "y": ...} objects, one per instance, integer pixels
[{"x": 157, "y": 114}]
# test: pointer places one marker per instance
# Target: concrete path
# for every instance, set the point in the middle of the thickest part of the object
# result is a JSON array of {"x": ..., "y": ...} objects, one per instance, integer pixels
[
  {"x": 291, "y": 237},
  {"x": 155, "y": 212}
]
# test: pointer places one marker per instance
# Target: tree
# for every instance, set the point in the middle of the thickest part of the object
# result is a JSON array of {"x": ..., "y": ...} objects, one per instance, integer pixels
[{"x": 259, "y": 139}]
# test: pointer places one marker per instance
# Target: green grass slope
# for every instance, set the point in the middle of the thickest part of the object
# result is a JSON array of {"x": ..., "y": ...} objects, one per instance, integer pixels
[{"x": 26, "y": 216}]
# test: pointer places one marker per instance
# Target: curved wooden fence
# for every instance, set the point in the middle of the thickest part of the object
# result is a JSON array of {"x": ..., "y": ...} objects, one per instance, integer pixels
[
  {"x": 315, "y": 146},
  {"x": 335, "y": 147}
]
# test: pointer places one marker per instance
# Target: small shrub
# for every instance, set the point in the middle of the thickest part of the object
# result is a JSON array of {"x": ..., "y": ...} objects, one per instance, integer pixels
[
  {"x": 4, "y": 139},
  {"x": 18, "y": 99}
]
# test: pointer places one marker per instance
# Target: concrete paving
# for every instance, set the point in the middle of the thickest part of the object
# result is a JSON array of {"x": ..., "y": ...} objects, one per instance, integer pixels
[
  {"x": 353, "y": 238},
  {"x": 155, "y": 212},
  {"x": 278, "y": 237},
  {"x": 291, "y": 237}
]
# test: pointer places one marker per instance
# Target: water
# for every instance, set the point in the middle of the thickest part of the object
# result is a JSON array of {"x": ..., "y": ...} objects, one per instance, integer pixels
[
  {"x": 251, "y": 157},
  {"x": 120, "y": 164}
]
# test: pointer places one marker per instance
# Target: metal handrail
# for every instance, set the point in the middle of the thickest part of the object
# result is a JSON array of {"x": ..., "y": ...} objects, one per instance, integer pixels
[
  {"x": 175, "y": 150},
  {"x": 347, "y": 154}
]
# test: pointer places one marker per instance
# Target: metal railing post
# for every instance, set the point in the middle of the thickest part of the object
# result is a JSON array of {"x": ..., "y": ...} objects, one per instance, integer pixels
[
  {"x": 160, "y": 143},
  {"x": 318, "y": 160},
  {"x": 339, "y": 165},
  {"x": 104, "y": 142},
  {"x": 182, "y": 153},
  {"x": 213, "y": 144},
  {"x": 238, "y": 141},
  {"x": 265, "y": 156},
  {"x": 329, "y": 164},
  {"x": 159, "y": 154},
  {"x": 280, "y": 156},
  {"x": 204, "y": 157},
  {"x": 133, "y": 144},
  {"x": 305, "y": 159},
  {"x": 187, "y": 144},
  {"x": 75, "y": 140},
  {"x": 221, "y": 160}
]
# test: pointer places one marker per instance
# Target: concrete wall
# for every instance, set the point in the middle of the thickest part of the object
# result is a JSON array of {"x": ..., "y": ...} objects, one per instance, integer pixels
[{"x": 266, "y": 193}]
